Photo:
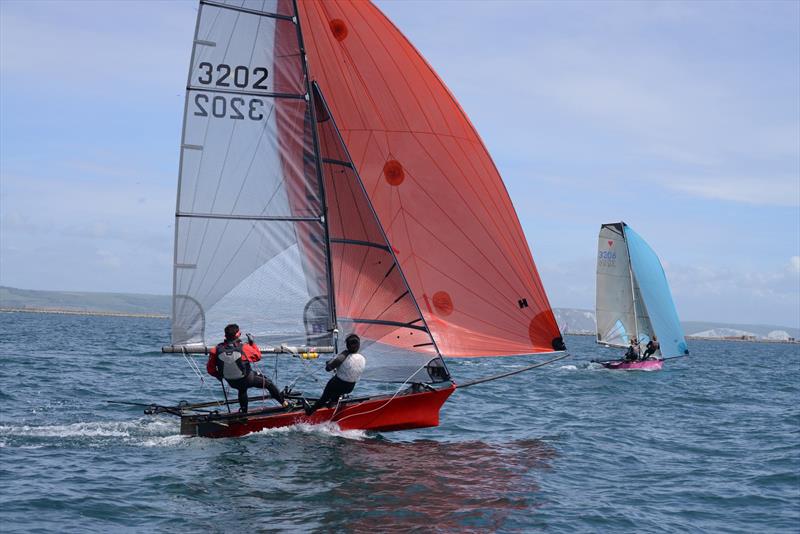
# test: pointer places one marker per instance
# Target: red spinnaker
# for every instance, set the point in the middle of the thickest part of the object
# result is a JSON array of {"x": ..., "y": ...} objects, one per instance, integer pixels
[{"x": 433, "y": 185}]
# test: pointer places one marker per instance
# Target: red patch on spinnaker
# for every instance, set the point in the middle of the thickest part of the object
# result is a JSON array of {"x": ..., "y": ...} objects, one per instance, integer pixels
[
  {"x": 540, "y": 329},
  {"x": 443, "y": 303},
  {"x": 339, "y": 29},
  {"x": 610, "y": 243},
  {"x": 393, "y": 172}
]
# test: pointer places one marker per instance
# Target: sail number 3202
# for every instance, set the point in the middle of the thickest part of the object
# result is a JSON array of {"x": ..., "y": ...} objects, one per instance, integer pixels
[{"x": 226, "y": 76}]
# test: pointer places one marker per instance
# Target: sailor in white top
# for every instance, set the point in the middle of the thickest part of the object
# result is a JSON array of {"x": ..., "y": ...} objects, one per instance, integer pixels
[{"x": 348, "y": 365}]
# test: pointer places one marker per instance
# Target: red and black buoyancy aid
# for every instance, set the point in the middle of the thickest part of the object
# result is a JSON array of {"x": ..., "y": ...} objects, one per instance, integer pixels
[{"x": 231, "y": 363}]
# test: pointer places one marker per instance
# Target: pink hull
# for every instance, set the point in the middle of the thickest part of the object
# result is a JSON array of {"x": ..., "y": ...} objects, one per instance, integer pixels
[{"x": 647, "y": 365}]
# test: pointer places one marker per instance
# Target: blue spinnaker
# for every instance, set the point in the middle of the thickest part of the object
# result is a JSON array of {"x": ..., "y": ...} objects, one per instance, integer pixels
[{"x": 656, "y": 295}]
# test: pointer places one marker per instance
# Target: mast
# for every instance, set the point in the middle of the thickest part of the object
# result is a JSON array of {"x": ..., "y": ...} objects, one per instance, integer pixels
[
  {"x": 320, "y": 179},
  {"x": 633, "y": 292}
]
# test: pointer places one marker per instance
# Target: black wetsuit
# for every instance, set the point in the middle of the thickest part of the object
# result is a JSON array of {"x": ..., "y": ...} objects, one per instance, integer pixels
[
  {"x": 254, "y": 380},
  {"x": 652, "y": 347},
  {"x": 335, "y": 388}
]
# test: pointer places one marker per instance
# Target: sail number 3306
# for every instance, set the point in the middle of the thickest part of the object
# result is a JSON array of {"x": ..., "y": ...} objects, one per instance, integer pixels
[{"x": 235, "y": 107}]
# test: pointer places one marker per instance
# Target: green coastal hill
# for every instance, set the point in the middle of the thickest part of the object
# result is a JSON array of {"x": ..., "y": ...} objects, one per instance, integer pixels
[{"x": 84, "y": 302}]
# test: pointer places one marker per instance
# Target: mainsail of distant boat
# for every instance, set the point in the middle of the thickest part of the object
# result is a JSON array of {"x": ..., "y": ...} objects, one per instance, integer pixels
[
  {"x": 329, "y": 182},
  {"x": 633, "y": 297}
]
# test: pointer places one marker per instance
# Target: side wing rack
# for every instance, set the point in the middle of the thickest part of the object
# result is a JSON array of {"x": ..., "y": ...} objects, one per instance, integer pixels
[{"x": 199, "y": 348}]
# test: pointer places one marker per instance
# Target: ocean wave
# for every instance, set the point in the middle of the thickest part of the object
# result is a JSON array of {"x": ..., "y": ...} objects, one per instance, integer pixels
[
  {"x": 91, "y": 429},
  {"x": 171, "y": 440},
  {"x": 322, "y": 429}
]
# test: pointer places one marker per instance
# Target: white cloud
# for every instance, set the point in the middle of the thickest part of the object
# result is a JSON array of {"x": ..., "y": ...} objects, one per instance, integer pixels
[
  {"x": 620, "y": 85},
  {"x": 738, "y": 295},
  {"x": 772, "y": 190}
]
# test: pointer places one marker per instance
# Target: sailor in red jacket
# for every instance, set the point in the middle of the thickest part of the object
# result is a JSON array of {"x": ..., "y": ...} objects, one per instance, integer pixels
[{"x": 231, "y": 360}]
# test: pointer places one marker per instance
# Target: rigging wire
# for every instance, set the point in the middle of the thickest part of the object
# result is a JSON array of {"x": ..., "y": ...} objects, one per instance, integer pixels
[
  {"x": 515, "y": 372},
  {"x": 196, "y": 369}
]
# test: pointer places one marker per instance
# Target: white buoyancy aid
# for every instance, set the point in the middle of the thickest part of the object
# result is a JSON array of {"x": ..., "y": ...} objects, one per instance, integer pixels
[{"x": 351, "y": 368}]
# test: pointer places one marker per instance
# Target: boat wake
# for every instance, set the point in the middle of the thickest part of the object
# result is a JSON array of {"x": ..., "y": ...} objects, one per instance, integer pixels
[
  {"x": 322, "y": 429},
  {"x": 585, "y": 366},
  {"x": 145, "y": 431}
]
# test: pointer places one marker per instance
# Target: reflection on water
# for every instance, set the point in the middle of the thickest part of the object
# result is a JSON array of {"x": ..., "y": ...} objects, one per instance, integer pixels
[{"x": 425, "y": 484}]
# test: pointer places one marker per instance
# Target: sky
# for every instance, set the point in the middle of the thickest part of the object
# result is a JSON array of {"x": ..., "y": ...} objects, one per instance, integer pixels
[{"x": 680, "y": 118}]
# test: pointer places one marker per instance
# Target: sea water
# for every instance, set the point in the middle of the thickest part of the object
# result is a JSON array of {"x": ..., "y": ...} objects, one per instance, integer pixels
[{"x": 711, "y": 443}]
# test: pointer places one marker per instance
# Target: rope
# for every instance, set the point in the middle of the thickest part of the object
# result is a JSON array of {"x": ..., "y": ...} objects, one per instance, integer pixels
[
  {"x": 196, "y": 369},
  {"x": 496, "y": 377}
]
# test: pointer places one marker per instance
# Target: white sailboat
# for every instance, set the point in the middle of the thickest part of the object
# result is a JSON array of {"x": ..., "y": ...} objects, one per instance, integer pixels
[{"x": 634, "y": 302}]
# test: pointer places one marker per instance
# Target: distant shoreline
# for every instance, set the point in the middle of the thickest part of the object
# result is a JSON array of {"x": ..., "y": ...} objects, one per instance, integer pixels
[
  {"x": 759, "y": 340},
  {"x": 62, "y": 311},
  {"x": 96, "y": 313}
]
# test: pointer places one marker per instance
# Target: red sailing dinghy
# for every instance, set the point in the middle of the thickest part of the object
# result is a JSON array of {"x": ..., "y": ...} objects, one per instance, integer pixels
[{"x": 329, "y": 182}]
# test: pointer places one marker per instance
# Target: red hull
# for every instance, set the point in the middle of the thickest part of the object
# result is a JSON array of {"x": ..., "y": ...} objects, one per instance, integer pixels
[{"x": 402, "y": 412}]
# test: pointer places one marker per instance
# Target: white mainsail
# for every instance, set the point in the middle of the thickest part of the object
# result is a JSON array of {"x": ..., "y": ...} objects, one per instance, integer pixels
[
  {"x": 616, "y": 315},
  {"x": 245, "y": 192}
]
